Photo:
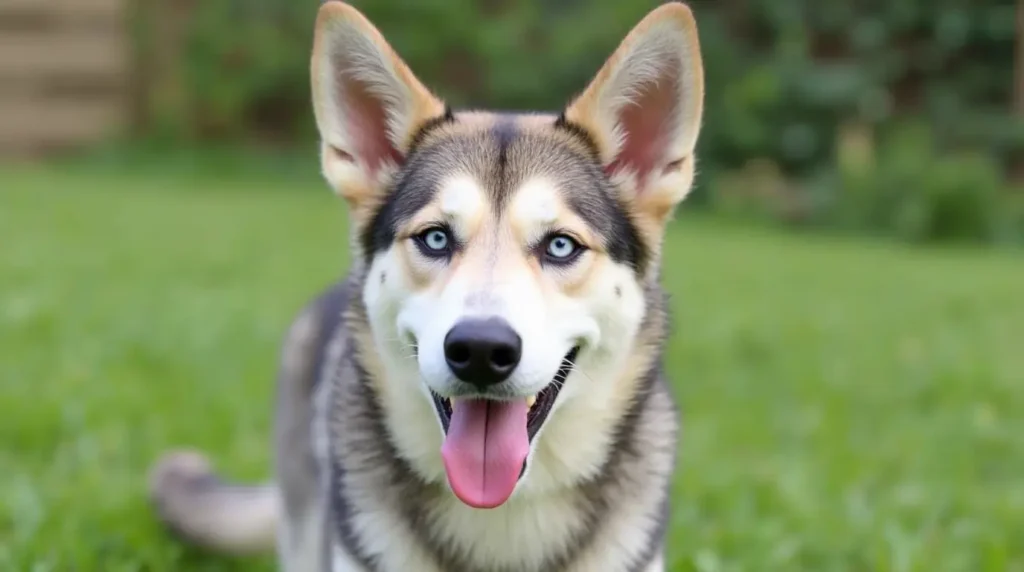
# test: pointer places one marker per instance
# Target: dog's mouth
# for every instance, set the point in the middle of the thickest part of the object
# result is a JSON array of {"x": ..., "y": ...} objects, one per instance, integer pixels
[
  {"x": 487, "y": 441},
  {"x": 539, "y": 405}
]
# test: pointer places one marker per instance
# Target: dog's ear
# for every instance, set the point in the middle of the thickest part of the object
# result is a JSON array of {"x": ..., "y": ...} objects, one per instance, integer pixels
[
  {"x": 643, "y": 110},
  {"x": 368, "y": 104}
]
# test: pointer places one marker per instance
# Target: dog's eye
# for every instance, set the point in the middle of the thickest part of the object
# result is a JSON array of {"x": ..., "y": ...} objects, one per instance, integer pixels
[
  {"x": 434, "y": 242},
  {"x": 561, "y": 249}
]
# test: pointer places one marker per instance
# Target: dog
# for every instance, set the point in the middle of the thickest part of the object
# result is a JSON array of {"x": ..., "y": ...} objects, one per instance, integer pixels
[{"x": 483, "y": 391}]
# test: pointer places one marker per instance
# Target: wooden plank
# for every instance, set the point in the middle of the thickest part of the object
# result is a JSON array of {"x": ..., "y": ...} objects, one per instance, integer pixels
[
  {"x": 64, "y": 9},
  {"x": 37, "y": 123},
  {"x": 25, "y": 56},
  {"x": 63, "y": 68}
]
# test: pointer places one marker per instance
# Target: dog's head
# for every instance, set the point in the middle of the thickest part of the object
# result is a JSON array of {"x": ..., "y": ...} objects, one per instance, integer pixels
[{"x": 507, "y": 257}]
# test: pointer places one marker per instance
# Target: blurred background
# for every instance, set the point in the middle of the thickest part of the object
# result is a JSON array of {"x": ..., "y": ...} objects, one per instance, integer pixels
[
  {"x": 819, "y": 113},
  {"x": 847, "y": 279}
]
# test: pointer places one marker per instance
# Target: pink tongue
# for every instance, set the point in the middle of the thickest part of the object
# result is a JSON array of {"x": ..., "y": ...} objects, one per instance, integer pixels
[{"x": 485, "y": 450}]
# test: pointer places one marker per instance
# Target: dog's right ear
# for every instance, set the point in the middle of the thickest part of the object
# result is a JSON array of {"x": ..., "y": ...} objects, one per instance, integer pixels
[{"x": 368, "y": 104}]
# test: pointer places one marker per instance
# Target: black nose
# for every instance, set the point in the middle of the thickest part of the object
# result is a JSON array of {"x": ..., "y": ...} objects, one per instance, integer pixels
[{"x": 482, "y": 351}]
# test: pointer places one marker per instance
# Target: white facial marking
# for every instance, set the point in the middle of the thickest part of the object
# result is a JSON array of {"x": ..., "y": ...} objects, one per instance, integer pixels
[
  {"x": 536, "y": 203},
  {"x": 461, "y": 198}
]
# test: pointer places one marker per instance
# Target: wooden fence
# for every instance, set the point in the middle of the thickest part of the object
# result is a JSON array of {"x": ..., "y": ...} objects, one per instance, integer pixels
[{"x": 64, "y": 74}]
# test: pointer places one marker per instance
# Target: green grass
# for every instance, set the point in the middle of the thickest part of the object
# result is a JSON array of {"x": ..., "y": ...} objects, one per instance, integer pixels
[{"x": 848, "y": 405}]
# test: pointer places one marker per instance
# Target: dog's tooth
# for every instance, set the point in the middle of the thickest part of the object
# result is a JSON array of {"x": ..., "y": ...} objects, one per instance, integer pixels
[
  {"x": 531, "y": 400},
  {"x": 451, "y": 403}
]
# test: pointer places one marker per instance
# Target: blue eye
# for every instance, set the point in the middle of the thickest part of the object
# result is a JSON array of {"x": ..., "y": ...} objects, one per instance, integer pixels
[
  {"x": 434, "y": 242},
  {"x": 561, "y": 249}
]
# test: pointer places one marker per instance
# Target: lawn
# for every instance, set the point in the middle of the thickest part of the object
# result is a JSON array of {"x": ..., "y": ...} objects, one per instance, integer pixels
[{"x": 849, "y": 405}]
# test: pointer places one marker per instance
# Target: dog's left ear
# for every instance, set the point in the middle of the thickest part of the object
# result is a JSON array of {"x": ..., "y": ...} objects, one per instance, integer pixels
[
  {"x": 643, "y": 111},
  {"x": 367, "y": 102}
]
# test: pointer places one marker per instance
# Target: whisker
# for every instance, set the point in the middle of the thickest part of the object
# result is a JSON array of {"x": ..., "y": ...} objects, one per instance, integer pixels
[
  {"x": 579, "y": 369},
  {"x": 404, "y": 344}
]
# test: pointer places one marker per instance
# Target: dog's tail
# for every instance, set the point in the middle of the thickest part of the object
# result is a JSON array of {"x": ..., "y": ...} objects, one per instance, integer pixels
[{"x": 202, "y": 509}]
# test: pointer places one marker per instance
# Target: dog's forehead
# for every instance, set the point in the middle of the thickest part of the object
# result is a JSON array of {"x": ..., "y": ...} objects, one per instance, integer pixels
[{"x": 513, "y": 161}]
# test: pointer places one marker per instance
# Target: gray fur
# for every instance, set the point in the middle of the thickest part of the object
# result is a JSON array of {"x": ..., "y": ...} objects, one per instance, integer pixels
[
  {"x": 344, "y": 498},
  {"x": 321, "y": 497}
]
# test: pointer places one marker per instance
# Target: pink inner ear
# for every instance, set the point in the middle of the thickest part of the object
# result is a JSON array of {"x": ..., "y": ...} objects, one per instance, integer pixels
[
  {"x": 647, "y": 124},
  {"x": 369, "y": 129}
]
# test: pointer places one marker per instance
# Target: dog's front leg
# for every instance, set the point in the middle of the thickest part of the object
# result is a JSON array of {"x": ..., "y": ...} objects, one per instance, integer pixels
[
  {"x": 657, "y": 565},
  {"x": 342, "y": 561}
]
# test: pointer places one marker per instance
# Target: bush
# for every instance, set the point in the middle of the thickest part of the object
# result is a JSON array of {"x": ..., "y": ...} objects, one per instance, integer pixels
[
  {"x": 760, "y": 191},
  {"x": 902, "y": 186},
  {"x": 911, "y": 190}
]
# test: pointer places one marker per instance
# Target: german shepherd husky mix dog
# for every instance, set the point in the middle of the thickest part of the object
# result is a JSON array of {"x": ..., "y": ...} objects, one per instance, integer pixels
[{"x": 483, "y": 392}]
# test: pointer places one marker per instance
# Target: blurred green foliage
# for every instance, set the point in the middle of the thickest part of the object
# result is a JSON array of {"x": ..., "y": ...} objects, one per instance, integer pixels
[
  {"x": 783, "y": 79},
  {"x": 914, "y": 193}
]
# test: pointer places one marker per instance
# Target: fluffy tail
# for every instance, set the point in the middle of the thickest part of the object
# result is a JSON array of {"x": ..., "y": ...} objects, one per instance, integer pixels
[{"x": 196, "y": 505}]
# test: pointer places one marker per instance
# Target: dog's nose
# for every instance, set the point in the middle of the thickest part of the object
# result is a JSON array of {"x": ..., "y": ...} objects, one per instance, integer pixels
[{"x": 482, "y": 352}]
